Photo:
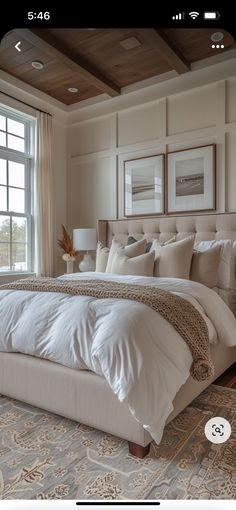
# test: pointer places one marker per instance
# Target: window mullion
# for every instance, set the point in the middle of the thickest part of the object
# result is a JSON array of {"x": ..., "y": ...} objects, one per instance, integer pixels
[
  {"x": 7, "y": 185},
  {"x": 28, "y": 212},
  {"x": 11, "y": 264}
]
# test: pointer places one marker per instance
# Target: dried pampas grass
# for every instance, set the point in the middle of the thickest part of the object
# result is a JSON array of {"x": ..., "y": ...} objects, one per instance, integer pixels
[{"x": 66, "y": 244}]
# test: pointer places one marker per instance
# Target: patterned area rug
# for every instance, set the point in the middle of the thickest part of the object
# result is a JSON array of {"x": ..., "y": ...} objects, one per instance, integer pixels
[{"x": 44, "y": 456}]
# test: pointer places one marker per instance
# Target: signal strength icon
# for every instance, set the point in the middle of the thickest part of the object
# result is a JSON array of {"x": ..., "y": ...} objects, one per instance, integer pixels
[
  {"x": 178, "y": 16},
  {"x": 193, "y": 14}
]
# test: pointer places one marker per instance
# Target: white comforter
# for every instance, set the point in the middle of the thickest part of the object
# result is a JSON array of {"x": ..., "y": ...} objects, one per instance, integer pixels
[{"x": 143, "y": 358}]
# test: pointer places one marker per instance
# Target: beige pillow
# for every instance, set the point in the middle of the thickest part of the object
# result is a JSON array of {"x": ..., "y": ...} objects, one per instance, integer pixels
[
  {"x": 133, "y": 250},
  {"x": 102, "y": 255},
  {"x": 226, "y": 272},
  {"x": 174, "y": 260},
  {"x": 204, "y": 267},
  {"x": 156, "y": 243},
  {"x": 140, "y": 266}
]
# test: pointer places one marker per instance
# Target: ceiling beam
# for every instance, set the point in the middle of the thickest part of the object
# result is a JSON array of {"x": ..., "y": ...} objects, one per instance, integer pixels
[
  {"x": 166, "y": 49},
  {"x": 47, "y": 42}
]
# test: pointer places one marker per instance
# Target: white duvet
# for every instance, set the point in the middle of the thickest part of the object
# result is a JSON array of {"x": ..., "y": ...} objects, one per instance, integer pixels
[{"x": 143, "y": 358}]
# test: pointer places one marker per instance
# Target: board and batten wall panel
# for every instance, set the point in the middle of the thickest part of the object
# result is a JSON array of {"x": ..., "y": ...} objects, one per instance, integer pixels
[
  {"x": 192, "y": 110},
  {"x": 231, "y": 100},
  {"x": 90, "y": 136},
  {"x": 200, "y": 116},
  {"x": 92, "y": 192},
  {"x": 231, "y": 171},
  {"x": 140, "y": 124}
]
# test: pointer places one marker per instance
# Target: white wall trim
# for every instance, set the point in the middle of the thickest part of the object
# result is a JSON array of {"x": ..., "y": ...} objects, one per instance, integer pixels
[
  {"x": 92, "y": 119},
  {"x": 230, "y": 127},
  {"x": 145, "y": 145}
]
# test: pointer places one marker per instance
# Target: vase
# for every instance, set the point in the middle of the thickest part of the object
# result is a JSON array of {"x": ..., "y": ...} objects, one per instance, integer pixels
[{"x": 69, "y": 266}]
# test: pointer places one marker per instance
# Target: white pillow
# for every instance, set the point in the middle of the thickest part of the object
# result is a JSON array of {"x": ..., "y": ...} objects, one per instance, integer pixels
[
  {"x": 226, "y": 271},
  {"x": 102, "y": 255},
  {"x": 139, "y": 266},
  {"x": 132, "y": 250}
]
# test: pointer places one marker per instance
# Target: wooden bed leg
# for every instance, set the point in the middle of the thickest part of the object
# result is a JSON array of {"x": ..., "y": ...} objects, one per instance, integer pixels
[{"x": 137, "y": 450}]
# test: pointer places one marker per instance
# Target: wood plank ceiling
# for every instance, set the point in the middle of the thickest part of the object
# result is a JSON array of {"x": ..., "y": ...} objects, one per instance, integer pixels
[{"x": 95, "y": 61}]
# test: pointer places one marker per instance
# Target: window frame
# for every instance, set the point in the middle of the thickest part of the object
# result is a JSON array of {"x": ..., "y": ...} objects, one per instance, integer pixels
[{"x": 28, "y": 159}]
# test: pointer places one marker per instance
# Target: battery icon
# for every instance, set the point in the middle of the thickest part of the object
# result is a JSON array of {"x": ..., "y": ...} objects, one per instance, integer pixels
[{"x": 211, "y": 15}]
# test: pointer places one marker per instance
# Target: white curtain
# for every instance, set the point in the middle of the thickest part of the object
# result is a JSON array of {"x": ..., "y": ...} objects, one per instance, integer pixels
[{"x": 44, "y": 221}]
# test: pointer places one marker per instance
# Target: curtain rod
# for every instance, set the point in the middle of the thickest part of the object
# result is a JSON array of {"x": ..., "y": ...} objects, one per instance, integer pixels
[{"x": 26, "y": 104}]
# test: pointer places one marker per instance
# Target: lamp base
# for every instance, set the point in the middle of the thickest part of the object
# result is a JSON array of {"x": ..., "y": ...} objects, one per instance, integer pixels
[{"x": 87, "y": 264}]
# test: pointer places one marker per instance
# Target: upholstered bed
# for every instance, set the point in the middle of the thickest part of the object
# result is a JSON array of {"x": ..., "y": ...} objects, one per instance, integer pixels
[{"x": 85, "y": 396}]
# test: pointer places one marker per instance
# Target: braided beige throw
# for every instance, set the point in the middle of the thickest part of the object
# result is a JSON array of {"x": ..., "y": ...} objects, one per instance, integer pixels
[{"x": 181, "y": 314}]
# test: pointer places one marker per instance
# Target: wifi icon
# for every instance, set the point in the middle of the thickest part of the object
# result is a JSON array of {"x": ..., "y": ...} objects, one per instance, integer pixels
[{"x": 193, "y": 14}]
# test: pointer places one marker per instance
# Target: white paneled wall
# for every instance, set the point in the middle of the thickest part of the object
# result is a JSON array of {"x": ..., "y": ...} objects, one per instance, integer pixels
[
  {"x": 231, "y": 100},
  {"x": 139, "y": 124},
  {"x": 90, "y": 136},
  {"x": 92, "y": 191},
  {"x": 99, "y": 147},
  {"x": 192, "y": 110},
  {"x": 231, "y": 171}
]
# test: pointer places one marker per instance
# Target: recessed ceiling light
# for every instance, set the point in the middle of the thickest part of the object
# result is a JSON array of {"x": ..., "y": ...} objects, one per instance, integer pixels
[
  {"x": 36, "y": 64},
  {"x": 130, "y": 43},
  {"x": 73, "y": 90},
  {"x": 217, "y": 36}
]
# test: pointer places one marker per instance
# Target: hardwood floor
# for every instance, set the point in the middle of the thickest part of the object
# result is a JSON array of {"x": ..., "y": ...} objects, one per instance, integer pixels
[{"x": 228, "y": 378}]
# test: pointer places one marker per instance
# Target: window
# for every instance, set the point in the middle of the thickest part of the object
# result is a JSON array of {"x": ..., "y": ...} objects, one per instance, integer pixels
[{"x": 16, "y": 196}]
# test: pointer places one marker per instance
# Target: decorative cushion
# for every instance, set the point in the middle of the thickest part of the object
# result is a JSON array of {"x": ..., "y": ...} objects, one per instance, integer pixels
[
  {"x": 140, "y": 266},
  {"x": 204, "y": 266},
  {"x": 156, "y": 244},
  {"x": 174, "y": 260},
  {"x": 226, "y": 271},
  {"x": 149, "y": 246},
  {"x": 132, "y": 240},
  {"x": 133, "y": 250},
  {"x": 101, "y": 257}
]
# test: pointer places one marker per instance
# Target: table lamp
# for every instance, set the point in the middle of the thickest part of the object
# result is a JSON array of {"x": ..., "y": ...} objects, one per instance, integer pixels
[{"x": 85, "y": 239}]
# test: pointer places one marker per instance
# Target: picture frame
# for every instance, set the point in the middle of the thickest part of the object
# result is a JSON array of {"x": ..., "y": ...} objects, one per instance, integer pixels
[
  {"x": 191, "y": 180},
  {"x": 144, "y": 186}
]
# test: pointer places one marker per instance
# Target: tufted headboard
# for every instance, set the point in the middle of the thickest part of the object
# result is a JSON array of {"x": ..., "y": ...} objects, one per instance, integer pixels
[{"x": 204, "y": 227}]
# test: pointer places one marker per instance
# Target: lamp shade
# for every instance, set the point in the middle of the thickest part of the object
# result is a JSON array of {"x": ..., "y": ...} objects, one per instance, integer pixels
[{"x": 84, "y": 239}]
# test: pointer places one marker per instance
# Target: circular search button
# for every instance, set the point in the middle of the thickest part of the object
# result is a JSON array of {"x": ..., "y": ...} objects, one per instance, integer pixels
[{"x": 217, "y": 430}]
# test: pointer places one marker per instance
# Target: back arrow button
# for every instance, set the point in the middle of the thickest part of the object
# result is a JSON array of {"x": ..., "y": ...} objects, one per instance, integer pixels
[{"x": 17, "y": 46}]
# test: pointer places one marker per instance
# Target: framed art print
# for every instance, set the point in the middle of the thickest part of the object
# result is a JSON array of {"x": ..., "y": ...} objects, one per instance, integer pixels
[
  {"x": 191, "y": 180},
  {"x": 144, "y": 186}
]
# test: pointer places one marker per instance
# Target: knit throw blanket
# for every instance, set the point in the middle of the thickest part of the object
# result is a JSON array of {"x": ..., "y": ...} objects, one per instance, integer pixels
[{"x": 181, "y": 314}]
